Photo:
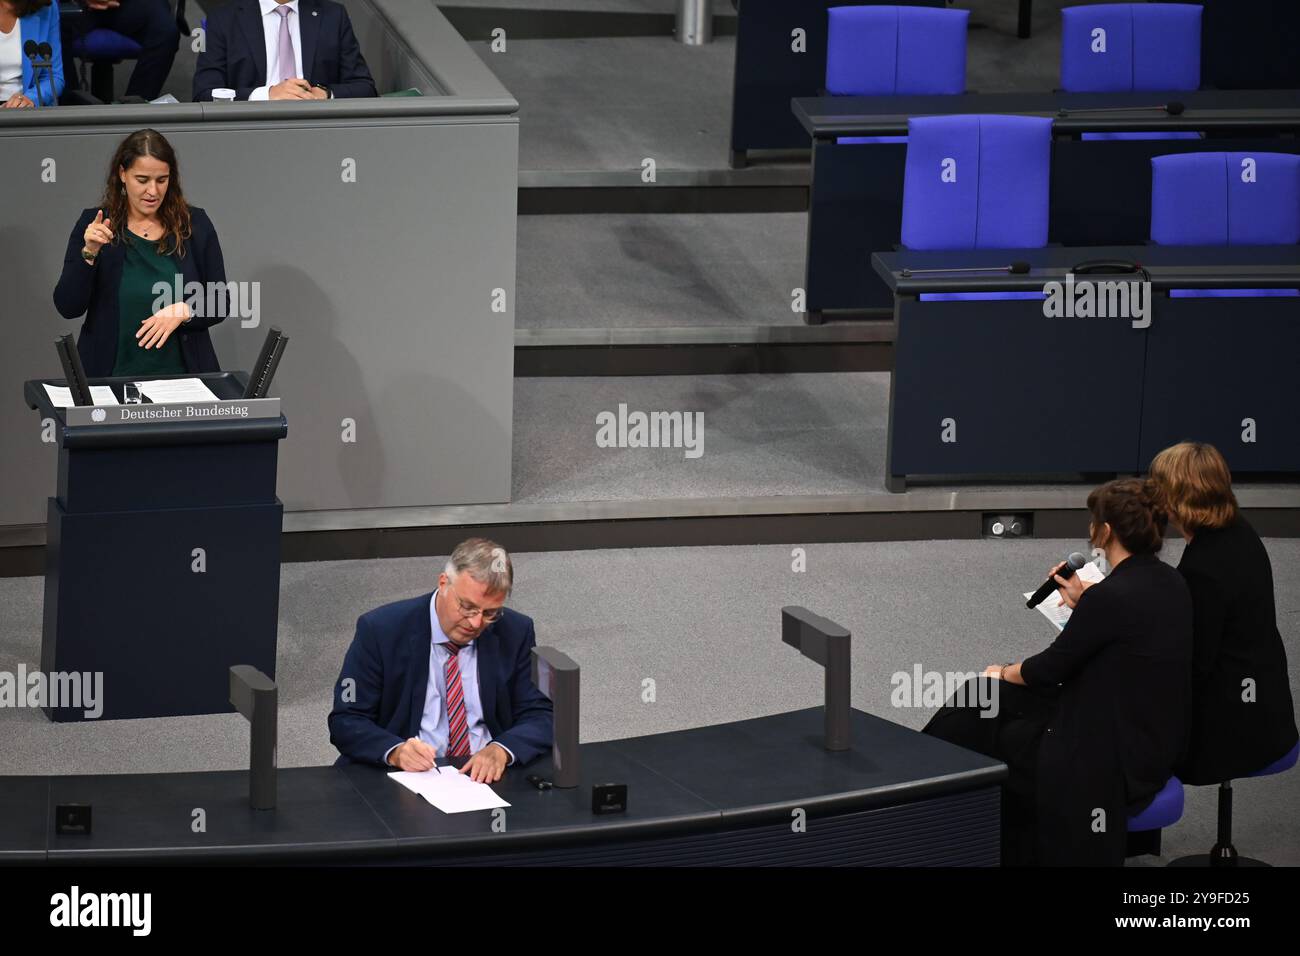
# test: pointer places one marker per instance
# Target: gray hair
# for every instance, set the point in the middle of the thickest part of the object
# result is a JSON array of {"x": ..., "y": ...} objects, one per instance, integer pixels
[{"x": 485, "y": 561}]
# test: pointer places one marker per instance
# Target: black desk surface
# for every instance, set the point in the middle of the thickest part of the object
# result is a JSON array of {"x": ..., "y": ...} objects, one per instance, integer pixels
[
  {"x": 691, "y": 780},
  {"x": 828, "y": 116},
  {"x": 1180, "y": 267}
]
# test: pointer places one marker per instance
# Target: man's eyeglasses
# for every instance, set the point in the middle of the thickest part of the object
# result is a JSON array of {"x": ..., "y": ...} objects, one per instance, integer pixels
[{"x": 468, "y": 610}]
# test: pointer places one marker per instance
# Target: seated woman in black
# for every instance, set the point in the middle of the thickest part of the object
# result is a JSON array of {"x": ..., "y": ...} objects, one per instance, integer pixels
[
  {"x": 1092, "y": 727},
  {"x": 1243, "y": 718},
  {"x": 126, "y": 259}
]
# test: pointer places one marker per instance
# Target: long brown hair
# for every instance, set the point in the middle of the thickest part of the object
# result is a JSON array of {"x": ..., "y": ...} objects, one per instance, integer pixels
[
  {"x": 1196, "y": 484},
  {"x": 174, "y": 211}
]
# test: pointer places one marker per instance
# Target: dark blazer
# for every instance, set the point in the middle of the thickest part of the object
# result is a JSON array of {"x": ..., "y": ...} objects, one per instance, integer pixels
[
  {"x": 92, "y": 291},
  {"x": 1123, "y": 663},
  {"x": 389, "y": 660},
  {"x": 235, "y": 56},
  {"x": 1231, "y": 580}
]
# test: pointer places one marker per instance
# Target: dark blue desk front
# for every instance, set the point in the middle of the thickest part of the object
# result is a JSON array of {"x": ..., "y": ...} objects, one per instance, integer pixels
[
  {"x": 719, "y": 795},
  {"x": 1000, "y": 388},
  {"x": 1100, "y": 190}
]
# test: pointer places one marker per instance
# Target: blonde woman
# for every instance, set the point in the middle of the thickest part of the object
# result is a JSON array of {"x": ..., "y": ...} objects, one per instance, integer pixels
[{"x": 1243, "y": 718}]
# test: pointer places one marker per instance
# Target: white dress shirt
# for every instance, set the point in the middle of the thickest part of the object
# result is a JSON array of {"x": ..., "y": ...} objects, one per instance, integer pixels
[
  {"x": 271, "y": 34},
  {"x": 11, "y": 61},
  {"x": 433, "y": 724}
]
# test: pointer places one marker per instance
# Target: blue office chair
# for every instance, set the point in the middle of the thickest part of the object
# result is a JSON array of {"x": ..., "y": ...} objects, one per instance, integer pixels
[
  {"x": 1223, "y": 853},
  {"x": 977, "y": 182},
  {"x": 1131, "y": 47},
  {"x": 1226, "y": 199},
  {"x": 101, "y": 50},
  {"x": 1164, "y": 810},
  {"x": 883, "y": 51}
]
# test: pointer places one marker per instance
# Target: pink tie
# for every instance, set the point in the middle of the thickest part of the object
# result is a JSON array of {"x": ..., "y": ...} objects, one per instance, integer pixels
[
  {"x": 288, "y": 68},
  {"x": 457, "y": 725}
]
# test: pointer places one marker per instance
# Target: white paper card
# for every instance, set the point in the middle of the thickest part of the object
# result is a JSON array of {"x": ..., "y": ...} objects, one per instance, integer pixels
[
  {"x": 449, "y": 790},
  {"x": 61, "y": 397},
  {"x": 169, "y": 391},
  {"x": 1054, "y": 609}
]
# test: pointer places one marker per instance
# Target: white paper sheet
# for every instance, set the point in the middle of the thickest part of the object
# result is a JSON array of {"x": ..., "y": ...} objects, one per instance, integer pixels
[
  {"x": 172, "y": 390},
  {"x": 1054, "y": 609},
  {"x": 61, "y": 397},
  {"x": 449, "y": 790}
]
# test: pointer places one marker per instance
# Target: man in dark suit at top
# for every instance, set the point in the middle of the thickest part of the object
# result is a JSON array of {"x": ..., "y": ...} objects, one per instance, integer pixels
[
  {"x": 282, "y": 50},
  {"x": 447, "y": 674}
]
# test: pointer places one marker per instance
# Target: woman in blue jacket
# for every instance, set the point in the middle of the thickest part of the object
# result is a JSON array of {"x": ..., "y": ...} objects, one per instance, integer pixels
[
  {"x": 126, "y": 257},
  {"x": 21, "y": 21}
]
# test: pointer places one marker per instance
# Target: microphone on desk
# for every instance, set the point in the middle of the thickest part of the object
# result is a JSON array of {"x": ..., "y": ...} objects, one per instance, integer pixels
[
  {"x": 41, "y": 56},
  {"x": 1173, "y": 109},
  {"x": 1015, "y": 269},
  {"x": 1073, "y": 563}
]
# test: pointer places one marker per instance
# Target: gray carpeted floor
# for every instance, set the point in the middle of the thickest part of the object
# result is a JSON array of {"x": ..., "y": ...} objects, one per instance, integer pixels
[
  {"x": 763, "y": 435},
  {"x": 608, "y": 103},
  {"x": 702, "y": 622},
  {"x": 721, "y": 7},
  {"x": 645, "y": 271}
]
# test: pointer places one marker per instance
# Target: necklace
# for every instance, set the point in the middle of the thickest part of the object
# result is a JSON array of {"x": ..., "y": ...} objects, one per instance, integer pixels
[{"x": 143, "y": 231}]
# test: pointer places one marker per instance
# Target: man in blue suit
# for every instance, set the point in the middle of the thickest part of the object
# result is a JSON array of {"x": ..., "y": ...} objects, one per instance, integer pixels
[
  {"x": 282, "y": 50},
  {"x": 447, "y": 674}
]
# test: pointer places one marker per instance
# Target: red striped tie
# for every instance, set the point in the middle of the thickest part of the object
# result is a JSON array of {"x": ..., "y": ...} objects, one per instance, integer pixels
[{"x": 457, "y": 724}]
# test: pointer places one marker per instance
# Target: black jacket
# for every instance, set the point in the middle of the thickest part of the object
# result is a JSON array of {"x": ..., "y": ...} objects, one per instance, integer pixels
[
  {"x": 92, "y": 291},
  {"x": 235, "y": 53},
  {"x": 1123, "y": 664},
  {"x": 1231, "y": 580}
]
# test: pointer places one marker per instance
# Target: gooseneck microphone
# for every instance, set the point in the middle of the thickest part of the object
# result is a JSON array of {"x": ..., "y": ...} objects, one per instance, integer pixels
[
  {"x": 41, "y": 56},
  {"x": 1173, "y": 109},
  {"x": 1073, "y": 563},
  {"x": 1015, "y": 269},
  {"x": 47, "y": 61}
]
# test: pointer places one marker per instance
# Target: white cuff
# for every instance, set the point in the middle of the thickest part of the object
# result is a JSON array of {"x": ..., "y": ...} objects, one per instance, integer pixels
[{"x": 261, "y": 93}]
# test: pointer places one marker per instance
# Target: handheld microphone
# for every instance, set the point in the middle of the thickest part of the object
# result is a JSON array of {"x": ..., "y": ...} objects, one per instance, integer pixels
[
  {"x": 1073, "y": 563},
  {"x": 1173, "y": 109},
  {"x": 1015, "y": 269}
]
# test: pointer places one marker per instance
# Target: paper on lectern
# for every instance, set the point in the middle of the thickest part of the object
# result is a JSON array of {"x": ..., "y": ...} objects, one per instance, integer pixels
[
  {"x": 61, "y": 397},
  {"x": 165, "y": 391}
]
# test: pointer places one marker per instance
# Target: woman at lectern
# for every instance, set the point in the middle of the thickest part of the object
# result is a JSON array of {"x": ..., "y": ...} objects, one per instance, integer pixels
[
  {"x": 1243, "y": 717},
  {"x": 1093, "y": 726},
  {"x": 132, "y": 267}
]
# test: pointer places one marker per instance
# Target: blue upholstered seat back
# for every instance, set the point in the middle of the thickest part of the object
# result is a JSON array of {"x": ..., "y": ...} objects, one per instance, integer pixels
[
  {"x": 881, "y": 51},
  {"x": 1130, "y": 47},
  {"x": 977, "y": 182}
]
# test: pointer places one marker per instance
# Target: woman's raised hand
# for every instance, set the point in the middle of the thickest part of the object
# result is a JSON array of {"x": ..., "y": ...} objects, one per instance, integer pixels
[{"x": 98, "y": 233}]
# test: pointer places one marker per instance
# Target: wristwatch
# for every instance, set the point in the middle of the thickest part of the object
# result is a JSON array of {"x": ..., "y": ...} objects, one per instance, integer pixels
[{"x": 89, "y": 256}]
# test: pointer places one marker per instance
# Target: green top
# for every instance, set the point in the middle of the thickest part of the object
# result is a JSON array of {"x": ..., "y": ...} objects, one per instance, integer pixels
[{"x": 141, "y": 269}]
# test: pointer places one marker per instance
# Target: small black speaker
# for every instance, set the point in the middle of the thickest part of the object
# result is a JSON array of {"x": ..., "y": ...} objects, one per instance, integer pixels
[
  {"x": 609, "y": 798},
  {"x": 72, "y": 819}
]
